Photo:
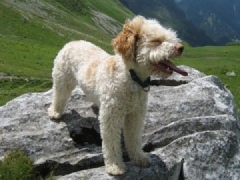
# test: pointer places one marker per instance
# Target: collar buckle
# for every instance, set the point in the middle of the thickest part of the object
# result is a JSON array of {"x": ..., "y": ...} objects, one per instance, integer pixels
[{"x": 146, "y": 89}]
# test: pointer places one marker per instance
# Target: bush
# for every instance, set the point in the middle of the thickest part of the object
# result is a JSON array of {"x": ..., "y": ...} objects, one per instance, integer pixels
[{"x": 16, "y": 166}]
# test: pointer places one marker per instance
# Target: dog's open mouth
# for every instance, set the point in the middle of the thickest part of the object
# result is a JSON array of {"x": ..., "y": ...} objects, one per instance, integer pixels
[{"x": 168, "y": 67}]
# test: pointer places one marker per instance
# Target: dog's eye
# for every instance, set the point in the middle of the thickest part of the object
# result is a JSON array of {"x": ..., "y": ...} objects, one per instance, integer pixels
[{"x": 157, "y": 41}]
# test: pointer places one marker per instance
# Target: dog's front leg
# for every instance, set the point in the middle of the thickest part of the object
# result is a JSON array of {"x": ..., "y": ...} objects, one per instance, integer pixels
[
  {"x": 111, "y": 123},
  {"x": 133, "y": 127}
]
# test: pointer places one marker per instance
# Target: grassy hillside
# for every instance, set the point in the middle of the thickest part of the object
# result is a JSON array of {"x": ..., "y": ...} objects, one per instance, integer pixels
[
  {"x": 29, "y": 29},
  {"x": 32, "y": 32}
]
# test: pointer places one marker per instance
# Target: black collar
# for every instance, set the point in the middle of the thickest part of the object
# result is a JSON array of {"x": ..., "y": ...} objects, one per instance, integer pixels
[{"x": 144, "y": 84}]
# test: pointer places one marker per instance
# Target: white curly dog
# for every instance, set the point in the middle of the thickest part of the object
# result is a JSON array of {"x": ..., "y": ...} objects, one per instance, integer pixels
[{"x": 117, "y": 84}]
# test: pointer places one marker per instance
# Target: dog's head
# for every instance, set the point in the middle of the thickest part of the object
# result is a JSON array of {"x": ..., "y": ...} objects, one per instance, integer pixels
[{"x": 147, "y": 45}]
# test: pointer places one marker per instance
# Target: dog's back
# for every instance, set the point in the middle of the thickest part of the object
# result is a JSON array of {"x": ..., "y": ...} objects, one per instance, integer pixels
[{"x": 80, "y": 52}]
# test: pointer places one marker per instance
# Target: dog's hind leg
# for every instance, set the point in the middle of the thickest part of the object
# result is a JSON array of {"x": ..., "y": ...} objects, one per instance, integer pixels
[
  {"x": 63, "y": 84},
  {"x": 111, "y": 122},
  {"x": 133, "y": 127}
]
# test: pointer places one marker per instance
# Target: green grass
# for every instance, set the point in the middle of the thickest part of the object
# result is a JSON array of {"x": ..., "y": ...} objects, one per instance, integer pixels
[
  {"x": 16, "y": 165},
  {"x": 11, "y": 88},
  {"x": 26, "y": 58},
  {"x": 216, "y": 61}
]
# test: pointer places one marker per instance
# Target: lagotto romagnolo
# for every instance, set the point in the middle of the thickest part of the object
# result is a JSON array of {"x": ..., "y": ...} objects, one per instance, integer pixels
[{"x": 118, "y": 84}]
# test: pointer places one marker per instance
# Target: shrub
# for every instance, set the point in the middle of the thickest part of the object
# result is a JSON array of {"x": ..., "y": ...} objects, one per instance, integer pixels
[{"x": 16, "y": 166}]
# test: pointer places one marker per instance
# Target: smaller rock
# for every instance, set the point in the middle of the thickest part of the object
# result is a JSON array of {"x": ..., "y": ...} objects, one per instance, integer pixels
[{"x": 232, "y": 73}]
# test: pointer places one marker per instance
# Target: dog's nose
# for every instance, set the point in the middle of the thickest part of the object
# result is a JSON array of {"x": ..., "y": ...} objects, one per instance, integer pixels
[{"x": 179, "y": 48}]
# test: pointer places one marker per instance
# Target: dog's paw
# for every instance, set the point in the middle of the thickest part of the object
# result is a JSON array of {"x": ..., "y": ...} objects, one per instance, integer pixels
[
  {"x": 142, "y": 160},
  {"x": 52, "y": 114},
  {"x": 114, "y": 169}
]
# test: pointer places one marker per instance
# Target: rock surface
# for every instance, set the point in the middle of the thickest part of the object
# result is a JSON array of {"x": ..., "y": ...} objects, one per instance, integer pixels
[{"x": 197, "y": 122}]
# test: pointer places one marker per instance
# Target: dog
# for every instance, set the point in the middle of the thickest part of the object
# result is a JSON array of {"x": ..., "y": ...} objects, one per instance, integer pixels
[{"x": 117, "y": 84}]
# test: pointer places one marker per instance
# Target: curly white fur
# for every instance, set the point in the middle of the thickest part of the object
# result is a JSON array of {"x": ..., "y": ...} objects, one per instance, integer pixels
[{"x": 106, "y": 81}]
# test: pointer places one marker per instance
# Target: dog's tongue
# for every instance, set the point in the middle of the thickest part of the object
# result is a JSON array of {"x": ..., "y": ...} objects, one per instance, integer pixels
[{"x": 173, "y": 67}]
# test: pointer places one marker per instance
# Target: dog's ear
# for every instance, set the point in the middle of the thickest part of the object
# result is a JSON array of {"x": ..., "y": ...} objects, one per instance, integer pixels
[{"x": 125, "y": 42}]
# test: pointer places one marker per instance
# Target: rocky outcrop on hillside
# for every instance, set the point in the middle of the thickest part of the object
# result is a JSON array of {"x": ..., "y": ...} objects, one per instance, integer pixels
[{"x": 191, "y": 132}]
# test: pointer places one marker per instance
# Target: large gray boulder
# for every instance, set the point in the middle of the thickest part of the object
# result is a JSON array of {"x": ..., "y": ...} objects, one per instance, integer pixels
[{"x": 191, "y": 132}]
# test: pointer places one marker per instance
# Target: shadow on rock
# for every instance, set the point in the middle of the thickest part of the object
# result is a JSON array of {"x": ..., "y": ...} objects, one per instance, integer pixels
[{"x": 83, "y": 130}]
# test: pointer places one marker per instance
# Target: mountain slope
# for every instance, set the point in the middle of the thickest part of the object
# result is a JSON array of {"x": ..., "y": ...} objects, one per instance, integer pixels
[
  {"x": 32, "y": 32},
  {"x": 219, "y": 19},
  {"x": 170, "y": 15}
]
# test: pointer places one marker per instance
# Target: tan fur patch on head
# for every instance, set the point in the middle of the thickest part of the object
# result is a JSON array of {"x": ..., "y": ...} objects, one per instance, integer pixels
[{"x": 125, "y": 41}]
